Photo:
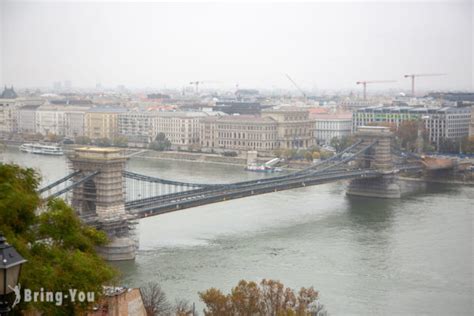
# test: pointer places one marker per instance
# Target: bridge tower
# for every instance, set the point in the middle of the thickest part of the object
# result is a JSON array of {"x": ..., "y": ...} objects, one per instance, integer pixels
[
  {"x": 100, "y": 201},
  {"x": 379, "y": 157}
]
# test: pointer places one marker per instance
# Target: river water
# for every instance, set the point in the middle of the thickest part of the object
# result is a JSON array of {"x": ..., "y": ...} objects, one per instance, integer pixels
[{"x": 411, "y": 256}]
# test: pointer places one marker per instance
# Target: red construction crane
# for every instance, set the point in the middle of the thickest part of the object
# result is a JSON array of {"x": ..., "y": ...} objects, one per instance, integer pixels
[
  {"x": 364, "y": 83},
  {"x": 412, "y": 76}
]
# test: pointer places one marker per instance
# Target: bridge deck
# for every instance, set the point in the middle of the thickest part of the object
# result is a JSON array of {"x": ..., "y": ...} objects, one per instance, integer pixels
[{"x": 192, "y": 199}]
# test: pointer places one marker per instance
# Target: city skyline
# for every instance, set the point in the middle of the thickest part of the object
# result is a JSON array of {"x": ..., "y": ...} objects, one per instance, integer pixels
[{"x": 322, "y": 46}]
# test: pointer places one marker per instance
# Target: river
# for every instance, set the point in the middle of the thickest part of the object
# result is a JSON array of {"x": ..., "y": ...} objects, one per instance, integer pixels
[{"x": 410, "y": 256}]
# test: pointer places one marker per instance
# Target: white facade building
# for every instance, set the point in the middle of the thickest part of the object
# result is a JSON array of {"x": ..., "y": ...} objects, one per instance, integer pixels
[
  {"x": 26, "y": 116},
  {"x": 181, "y": 128},
  {"x": 446, "y": 122},
  {"x": 8, "y": 116},
  {"x": 329, "y": 126},
  {"x": 51, "y": 119}
]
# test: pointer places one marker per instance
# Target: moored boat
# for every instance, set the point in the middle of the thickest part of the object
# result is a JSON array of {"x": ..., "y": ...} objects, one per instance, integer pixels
[
  {"x": 262, "y": 168},
  {"x": 42, "y": 149}
]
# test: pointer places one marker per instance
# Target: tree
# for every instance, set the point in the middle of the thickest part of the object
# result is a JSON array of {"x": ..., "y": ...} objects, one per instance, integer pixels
[
  {"x": 51, "y": 137},
  {"x": 18, "y": 198},
  {"x": 120, "y": 141},
  {"x": 448, "y": 145},
  {"x": 154, "y": 300},
  {"x": 82, "y": 140},
  {"x": 308, "y": 156},
  {"x": 340, "y": 143},
  {"x": 299, "y": 154},
  {"x": 60, "y": 249},
  {"x": 467, "y": 145},
  {"x": 289, "y": 154},
  {"x": 104, "y": 142},
  {"x": 160, "y": 143},
  {"x": 267, "y": 298},
  {"x": 183, "y": 308},
  {"x": 407, "y": 134},
  {"x": 324, "y": 154}
]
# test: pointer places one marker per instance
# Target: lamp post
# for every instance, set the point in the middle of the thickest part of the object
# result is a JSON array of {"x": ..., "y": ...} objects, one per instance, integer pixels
[{"x": 10, "y": 267}]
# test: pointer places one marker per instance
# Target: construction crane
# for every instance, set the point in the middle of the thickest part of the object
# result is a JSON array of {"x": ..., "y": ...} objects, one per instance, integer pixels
[
  {"x": 413, "y": 76},
  {"x": 297, "y": 87},
  {"x": 364, "y": 83},
  {"x": 197, "y": 83}
]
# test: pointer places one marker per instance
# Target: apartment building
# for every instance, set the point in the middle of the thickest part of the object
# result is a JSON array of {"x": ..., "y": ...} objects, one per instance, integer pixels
[
  {"x": 239, "y": 132},
  {"x": 61, "y": 120},
  {"x": 181, "y": 128},
  {"x": 471, "y": 124},
  {"x": 331, "y": 125},
  {"x": 441, "y": 122},
  {"x": 26, "y": 116},
  {"x": 295, "y": 128},
  {"x": 102, "y": 122},
  {"x": 136, "y": 125},
  {"x": 50, "y": 119},
  {"x": 75, "y": 121},
  {"x": 8, "y": 108}
]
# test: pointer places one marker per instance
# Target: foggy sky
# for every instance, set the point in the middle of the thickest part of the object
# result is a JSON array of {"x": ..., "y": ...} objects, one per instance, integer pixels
[{"x": 320, "y": 45}]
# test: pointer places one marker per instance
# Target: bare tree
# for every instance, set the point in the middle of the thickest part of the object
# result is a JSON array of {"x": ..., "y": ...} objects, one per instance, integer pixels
[
  {"x": 155, "y": 301},
  {"x": 182, "y": 307}
]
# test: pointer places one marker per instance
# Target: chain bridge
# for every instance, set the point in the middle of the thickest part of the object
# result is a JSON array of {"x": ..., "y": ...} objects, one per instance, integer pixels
[{"x": 110, "y": 198}]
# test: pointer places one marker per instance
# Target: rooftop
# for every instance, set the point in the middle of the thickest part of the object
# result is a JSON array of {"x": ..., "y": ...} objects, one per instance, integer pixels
[
  {"x": 408, "y": 109},
  {"x": 242, "y": 118},
  {"x": 287, "y": 108},
  {"x": 332, "y": 116},
  {"x": 107, "y": 109},
  {"x": 182, "y": 114}
]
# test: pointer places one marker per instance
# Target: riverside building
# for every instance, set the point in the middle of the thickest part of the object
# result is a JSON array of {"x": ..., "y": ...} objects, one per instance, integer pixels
[
  {"x": 441, "y": 122},
  {"x": 331, "y": 125}
]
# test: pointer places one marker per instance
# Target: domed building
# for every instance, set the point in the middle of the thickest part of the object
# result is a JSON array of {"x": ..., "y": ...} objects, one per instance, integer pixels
[{"x": 8, "y": 93}]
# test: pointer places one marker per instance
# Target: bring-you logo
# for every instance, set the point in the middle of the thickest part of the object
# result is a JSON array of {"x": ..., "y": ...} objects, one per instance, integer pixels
[{"x": 58, "y": 298}]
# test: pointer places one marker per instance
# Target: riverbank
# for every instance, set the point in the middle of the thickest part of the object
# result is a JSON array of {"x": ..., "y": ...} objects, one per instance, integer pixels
[
  {"x": 439, "y": 181},
  {"x": 139, "y": 153},
  {"x": 213, "y": 158}
]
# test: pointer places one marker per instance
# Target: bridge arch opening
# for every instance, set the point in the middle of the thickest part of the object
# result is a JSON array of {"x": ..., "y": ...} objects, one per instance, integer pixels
[{"x": 89, "y": 202}]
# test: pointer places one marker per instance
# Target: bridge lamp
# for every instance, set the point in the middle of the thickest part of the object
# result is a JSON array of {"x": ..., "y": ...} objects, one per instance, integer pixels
[{"x": 10, "y": 267}]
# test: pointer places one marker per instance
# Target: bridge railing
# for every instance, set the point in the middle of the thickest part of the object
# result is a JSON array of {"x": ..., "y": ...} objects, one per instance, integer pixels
[{"x": 65, "y": 184}]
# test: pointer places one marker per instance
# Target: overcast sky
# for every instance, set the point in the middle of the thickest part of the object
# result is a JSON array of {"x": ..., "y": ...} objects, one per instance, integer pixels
[{"x": 324, "y": 45}]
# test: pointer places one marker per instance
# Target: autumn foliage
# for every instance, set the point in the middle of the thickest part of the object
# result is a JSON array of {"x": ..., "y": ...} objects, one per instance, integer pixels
[
  {"x": 60, "y": 249},
  {"x": 267, "y": 298}
]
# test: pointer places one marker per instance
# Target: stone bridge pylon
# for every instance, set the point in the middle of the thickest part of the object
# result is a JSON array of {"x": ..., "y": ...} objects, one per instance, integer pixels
[
  {"x": 378, "y": 157},
  {"x": 100, "y": 201}
]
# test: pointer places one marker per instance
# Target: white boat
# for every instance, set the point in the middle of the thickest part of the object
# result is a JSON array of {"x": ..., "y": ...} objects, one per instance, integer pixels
[
  {"x": 262, "y": 168},
  {"x": 42, "y": 149}
]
